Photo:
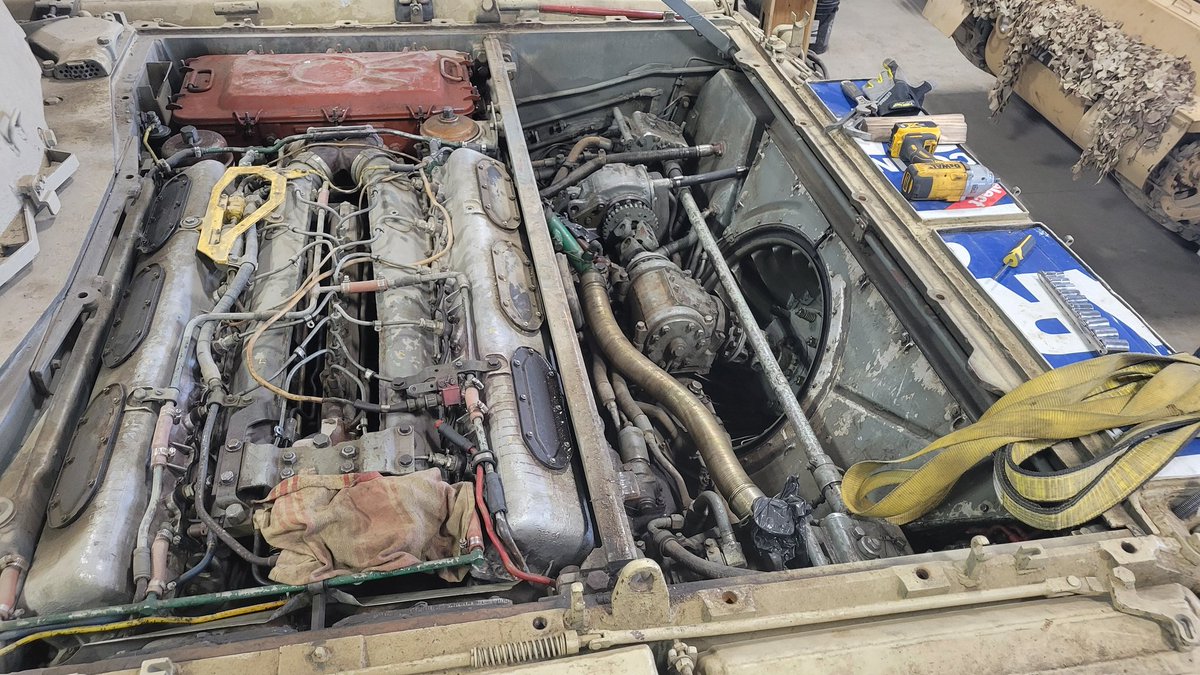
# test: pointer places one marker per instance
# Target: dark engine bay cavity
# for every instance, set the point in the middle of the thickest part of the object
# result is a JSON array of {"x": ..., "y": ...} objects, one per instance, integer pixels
[{"x": 338, "y": 357}]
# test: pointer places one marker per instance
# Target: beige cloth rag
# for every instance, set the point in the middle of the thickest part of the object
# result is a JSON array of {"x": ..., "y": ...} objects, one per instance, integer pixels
[{"x": 328, "y": 526}]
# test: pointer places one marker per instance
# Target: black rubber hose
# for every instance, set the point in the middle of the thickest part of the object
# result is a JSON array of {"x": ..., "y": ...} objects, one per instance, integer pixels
[
  {"x": 707, "y": 177},
  {"x": 685, "y": 242},
  {"x": 674, "y": 550},
  {"x": 210, "y": 550},
  {"x": 210, "y": 423},
  {"x": 641, "y": 157},
  {"x": 709, "y": 503}
]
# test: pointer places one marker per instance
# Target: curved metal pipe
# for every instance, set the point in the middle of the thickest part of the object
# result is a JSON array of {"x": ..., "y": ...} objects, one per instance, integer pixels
[
  {"x": 577, "y": 150},
  {"x": 707, "y": 433}
]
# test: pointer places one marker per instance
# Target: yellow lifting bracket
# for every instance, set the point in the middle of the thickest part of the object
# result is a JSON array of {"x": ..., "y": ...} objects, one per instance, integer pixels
[{"x": 225, "y": 221}]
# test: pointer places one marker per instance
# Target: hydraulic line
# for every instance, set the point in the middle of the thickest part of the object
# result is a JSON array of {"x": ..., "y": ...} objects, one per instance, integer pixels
[
  {"x": 577, "y": 150},
  {"x": 671, "y": 548},
  {"x": 236, "y": 595},
  {"x": 701, "y": 178},
  {"x": 140, "y": 622},
  {"x": 640, "y": 73},
  {"x": 640, "y": 157},
  {"x": 827, "y": 476},
  {"x": 706, "y": 431},
  {"x": 633, "y": 411}
]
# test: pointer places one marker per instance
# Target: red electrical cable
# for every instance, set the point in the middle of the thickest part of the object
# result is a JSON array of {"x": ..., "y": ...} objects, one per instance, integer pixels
[{"x": 491, "y": 533}]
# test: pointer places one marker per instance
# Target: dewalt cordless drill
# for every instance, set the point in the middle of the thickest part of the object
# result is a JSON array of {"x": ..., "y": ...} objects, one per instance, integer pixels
[{"x": 928, "y": 178}]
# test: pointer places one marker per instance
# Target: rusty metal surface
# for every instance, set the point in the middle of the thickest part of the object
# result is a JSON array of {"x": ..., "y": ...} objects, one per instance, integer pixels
[{"x": 254, "y": 97}]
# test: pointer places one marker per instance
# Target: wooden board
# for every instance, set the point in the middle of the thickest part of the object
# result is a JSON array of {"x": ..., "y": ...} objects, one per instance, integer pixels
[{"x": 953, "y": 126}]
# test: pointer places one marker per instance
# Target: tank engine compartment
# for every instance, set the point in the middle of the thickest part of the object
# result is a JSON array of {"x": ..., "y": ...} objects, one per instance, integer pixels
[{"x": 362, "y": 297}]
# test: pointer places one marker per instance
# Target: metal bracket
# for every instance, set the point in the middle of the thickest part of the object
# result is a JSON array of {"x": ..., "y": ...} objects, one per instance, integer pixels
[
  {"x": 19, "y": 242},
  {"x": 75, "y": 309},
  {"x": 640, "y": 596},
  {"x": 1173, "y": 606},
  {"x": 703, "y": 26},
  {"x": 224, "y": 222},
  {"x": 430, "y": 380}
]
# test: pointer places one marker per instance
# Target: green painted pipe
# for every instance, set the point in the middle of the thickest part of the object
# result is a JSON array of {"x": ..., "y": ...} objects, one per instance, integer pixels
[
  {"x": 154, "y": 606},
  {"x": 567, "y": 242}
]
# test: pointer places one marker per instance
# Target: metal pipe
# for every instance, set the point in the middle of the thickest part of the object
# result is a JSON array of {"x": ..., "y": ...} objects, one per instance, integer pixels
[
  {"x": 706, "y": 431},
  {"x": 239, "y": 595},
  {"x": 640, "y": 157},
  {"x": 158, "y": 563},
  {"x": 662, "y": 417},
  {"x": 700, "y": 178},
  {"x": 10, "y": 583},
  {"x": 583, "y": 10},
  {"x": 633, "y": 75},
  {"x": 209, "y": 370},
  {"x": 577, "y": 150},
  {"x": 827, "y": 476},
  {"x": 671, "y": 548}
]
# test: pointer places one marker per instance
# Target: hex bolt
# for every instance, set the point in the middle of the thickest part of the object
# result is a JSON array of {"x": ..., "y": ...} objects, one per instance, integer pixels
[
  {"x": 349, "y": 451},
  {"x": 287, "y": 473},
  {"x": 321, "y": 440},
  {"x": 226, "y": 477},
  {"x": 347, "y": 467},
  {"x": 289, "y": 457},
  {"x": 235, "y": 513},
  {"x": 406, "y": 459},
  {"x": 233, "y": 445}
]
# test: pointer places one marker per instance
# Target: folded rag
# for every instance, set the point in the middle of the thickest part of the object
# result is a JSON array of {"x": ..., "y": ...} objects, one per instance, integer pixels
[{"x": 328, "y": 526}]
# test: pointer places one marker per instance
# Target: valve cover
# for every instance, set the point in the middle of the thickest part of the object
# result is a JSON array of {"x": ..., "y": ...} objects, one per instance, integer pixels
[{"x": 256, "y": 97}]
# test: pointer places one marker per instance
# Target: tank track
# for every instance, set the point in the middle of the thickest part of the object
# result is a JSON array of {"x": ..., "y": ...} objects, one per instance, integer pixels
[{"x": 1173, "y": 198}]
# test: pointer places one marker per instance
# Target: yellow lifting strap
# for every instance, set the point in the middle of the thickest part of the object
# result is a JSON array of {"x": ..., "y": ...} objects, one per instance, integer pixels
[{"x": 1154, "y": 399}]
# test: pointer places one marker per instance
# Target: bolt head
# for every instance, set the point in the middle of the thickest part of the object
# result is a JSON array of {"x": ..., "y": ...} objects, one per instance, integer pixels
[
  {"x": 227, "y": 477},
  {"x": 349, "y": 451}
]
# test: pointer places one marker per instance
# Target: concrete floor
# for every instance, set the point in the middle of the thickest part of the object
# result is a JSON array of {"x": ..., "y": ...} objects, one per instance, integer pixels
[{"x": 1155, "y": 271}]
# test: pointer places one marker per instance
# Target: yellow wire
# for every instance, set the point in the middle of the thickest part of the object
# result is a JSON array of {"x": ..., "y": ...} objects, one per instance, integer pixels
[
  {"x": 146, "y": 142},
  {"x": 136, "y": 623}
]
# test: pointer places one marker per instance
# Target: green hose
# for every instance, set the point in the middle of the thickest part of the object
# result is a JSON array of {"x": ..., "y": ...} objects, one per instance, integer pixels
[{"x": 567, "y": 243}]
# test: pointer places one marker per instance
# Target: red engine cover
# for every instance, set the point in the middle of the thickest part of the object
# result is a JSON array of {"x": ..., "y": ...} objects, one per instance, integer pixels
[{"x": 257, "y": 98}]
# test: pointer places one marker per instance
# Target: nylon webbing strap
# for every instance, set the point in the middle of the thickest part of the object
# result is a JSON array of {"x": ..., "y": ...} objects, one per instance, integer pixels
[{"x": 1155, "y": 399}]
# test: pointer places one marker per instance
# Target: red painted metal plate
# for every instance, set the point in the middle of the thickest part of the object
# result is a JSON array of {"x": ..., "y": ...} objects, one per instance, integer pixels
[{"x": 260, "y": 97}]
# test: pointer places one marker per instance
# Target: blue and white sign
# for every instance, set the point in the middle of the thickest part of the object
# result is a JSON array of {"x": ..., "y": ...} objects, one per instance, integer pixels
[
  {"x": 1025, "y": 299},
  {"x": 997, "y": 201}
]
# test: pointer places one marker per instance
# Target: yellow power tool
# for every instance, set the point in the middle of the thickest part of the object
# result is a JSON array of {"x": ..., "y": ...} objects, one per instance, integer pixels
[{"x": 928, "y": 178}]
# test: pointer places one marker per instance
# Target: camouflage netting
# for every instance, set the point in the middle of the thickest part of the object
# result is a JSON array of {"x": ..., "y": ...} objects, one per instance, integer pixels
[{"x": 1134, "y": 88}]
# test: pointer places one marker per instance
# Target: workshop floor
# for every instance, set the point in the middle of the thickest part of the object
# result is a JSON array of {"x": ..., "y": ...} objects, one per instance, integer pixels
[{"x": 1155, "y": 271}]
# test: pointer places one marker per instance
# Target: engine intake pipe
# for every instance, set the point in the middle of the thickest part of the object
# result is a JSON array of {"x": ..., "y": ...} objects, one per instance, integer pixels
[{"x": 707, "y": 433}]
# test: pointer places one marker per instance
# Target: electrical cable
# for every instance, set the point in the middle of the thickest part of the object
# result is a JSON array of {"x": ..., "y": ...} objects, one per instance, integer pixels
[{"x": 491, "y": 533}]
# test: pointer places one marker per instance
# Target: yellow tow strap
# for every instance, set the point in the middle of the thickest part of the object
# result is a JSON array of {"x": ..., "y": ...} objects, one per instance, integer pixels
[{"x": 1155, "y": 399}]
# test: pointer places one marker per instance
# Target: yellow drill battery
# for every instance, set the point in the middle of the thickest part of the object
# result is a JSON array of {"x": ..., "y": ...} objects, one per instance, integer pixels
[{"x": 922, "y": 134}]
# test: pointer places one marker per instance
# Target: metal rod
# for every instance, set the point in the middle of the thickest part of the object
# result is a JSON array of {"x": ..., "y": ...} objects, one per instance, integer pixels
[
  {"x": 828, "y": 477},
  {"x": 152, "y": 607}
]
